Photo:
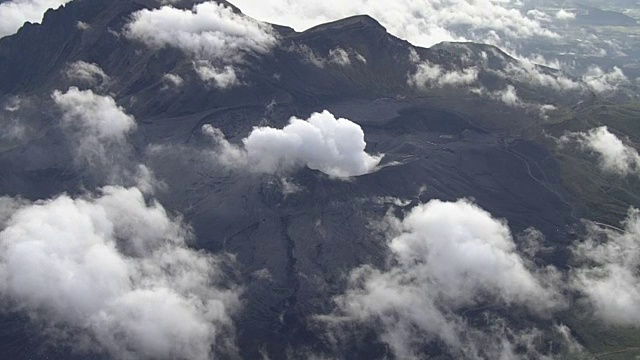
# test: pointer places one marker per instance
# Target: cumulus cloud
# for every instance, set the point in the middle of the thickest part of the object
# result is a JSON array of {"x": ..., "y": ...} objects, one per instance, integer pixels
[
  {"x": 172, "y": 80},
  {"x": 87, "y": 73},
  {"x": 209, "y": 32},
  {"x": 445, "y": 257},
  {"x": 614, "y": 155},
  {"x": 607, "y": 271},
  {"x": 97, "y": 118},
  {"x": 604, "y": 83},
  {"x": 433, "y": 75},
  {"x": 333, "y": 146},
  {"x": 509, "y": 96},
  {"x": 99, "y": 128},
  {"x": 15, "y": 13},
  {"x": 97, "y": 114},
  {"x": 339, "y": 56},
  {"x": 113, "y": 273},
  {"x": 538, "y": 15},
  {"x": 422, "y": 23},
  {"x": 563, "y": 14},
  {"x": 221, "y": 78},
  {"x": 463, "y": 249}
]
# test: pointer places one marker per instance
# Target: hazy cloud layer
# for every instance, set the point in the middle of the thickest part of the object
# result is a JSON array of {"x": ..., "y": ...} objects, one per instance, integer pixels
[
  {"x": 422, "y": 23},
  {"x": 602, "y": 82},
  {"x": 13, "y": 127},
  {"x": 536, "y": 71},
  {"x": 529, "y": 72},
  {"x": 113, "y": 272},
  {"x": 15, "y": 13},
  {"x": 432, "y": 75},
  {"x": 509, "y": 96},
  {"x": 614, "y": 155},
  {"x": 210, "y": 33},
  {"x": 333, "y": 146},
  {"x": 446, "y": 256},
  {"x": 87, "y": 73},
  {"x": 607, "y": 271}
]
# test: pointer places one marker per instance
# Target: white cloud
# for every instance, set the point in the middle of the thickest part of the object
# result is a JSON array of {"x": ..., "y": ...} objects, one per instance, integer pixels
[
  {"x": 604, "y": 83},
  {"x": 343, "y": 57},
  {"x": 447, "y": 256},
  {"x": 545, "y": 109},
  {"x": 15, "y": 13},
  {"x": 96, "y": 122},
  {"x": 210, "y": 33},
  {"x": 337, "y": 56},
  {"x": 309, "y": 56},
  {"x": 114, "y": 270},
  {"x": 13, "y": 128},
  {"x": 464, "y": 250},
  {"x": 87, "y": 73},
  {"x": 538, "y": 15},
  {"x": 333, "y": 146},
  {"x": 8, "y": 206},
  {"x": 98, "y": 128},
  {"x": 422, "y": 23},
  {"x": 173, "y": 80},
  {"x": 433, "y": 75},
  {"x": 221, "y": 78},
  {"x": 563, "y": 14},
  {"x": 528, "y": 71},
  {"x": 595, "y": 79},
  {"x": 607, "y": 271},
  {"x": 80, "y": 25},
  {"x": 509, "y": 96},
  {"x": 360, "y": 58},
  {"x": 13, "y": 104},
  {"x": 615, "y": 156},
  {"x": 98, "y": 115}
]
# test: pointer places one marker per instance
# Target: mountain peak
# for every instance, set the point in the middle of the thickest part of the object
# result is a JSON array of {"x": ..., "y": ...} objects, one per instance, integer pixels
[{"x": 353, "y": 22}]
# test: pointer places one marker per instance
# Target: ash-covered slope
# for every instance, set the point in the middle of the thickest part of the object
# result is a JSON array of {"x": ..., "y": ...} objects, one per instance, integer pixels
[{"x": 453, "y": 121}]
